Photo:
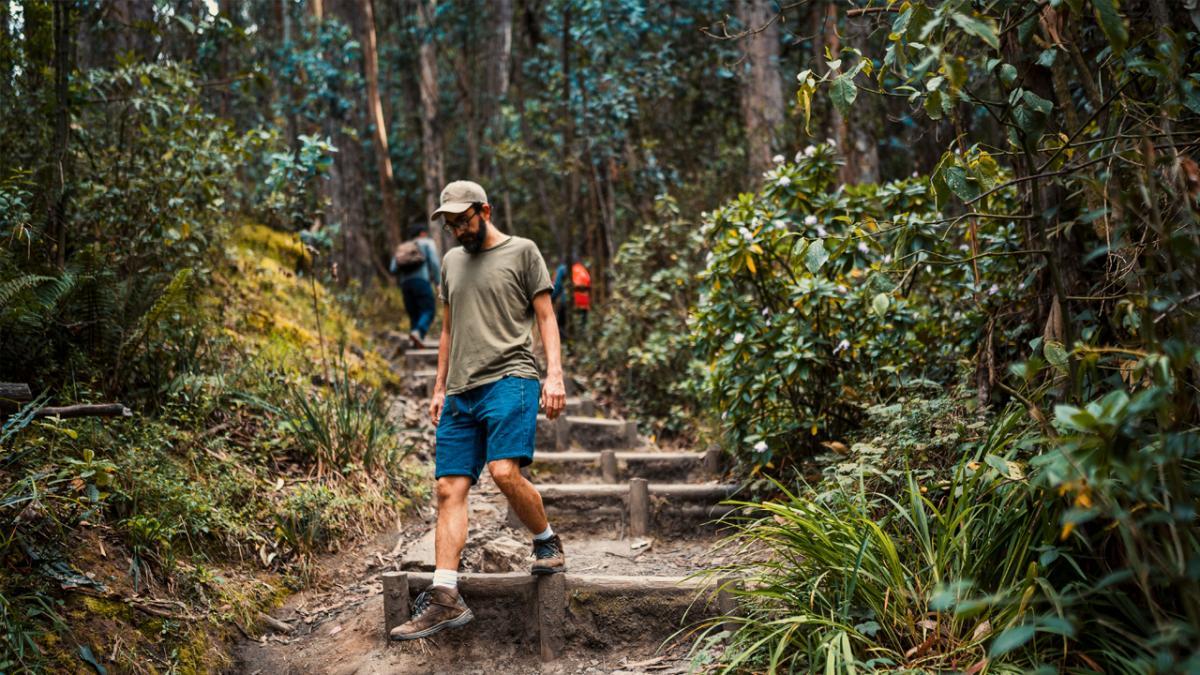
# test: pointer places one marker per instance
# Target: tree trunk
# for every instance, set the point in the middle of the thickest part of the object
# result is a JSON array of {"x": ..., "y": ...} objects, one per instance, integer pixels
[
  {"x": 347, "y": 207},
  {"x": 57, "y": 216},
  {"x": 833, "y": 42},
  {"x": 571, "y": 184},
  {"x": 861, "y": 148},
  {"x": 761, "y": 88},
  {"x": 432, "y": 162},
  {"x": 498, "y": 80},
  {"x": 390, "y": 215}
]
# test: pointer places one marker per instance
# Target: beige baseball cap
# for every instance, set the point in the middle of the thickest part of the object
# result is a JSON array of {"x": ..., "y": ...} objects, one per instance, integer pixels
[{"x": 459, "y": 196}]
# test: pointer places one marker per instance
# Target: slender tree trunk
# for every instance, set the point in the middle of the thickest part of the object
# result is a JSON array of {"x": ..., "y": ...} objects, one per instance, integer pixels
[
  {"x": 861, "y": 149},
  {"x": 61, "y": 169},
  {"x": 761, "y": 87},
  {"x": 347, "y": 206},
  {"x": 571, "y": 184},
  {"x": 432, "y": 163},
  {"x": 390, "y": 215},
  {"x": 498, "y": 79}
]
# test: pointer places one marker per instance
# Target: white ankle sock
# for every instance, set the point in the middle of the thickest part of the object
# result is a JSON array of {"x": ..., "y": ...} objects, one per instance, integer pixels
[
  {"x": 544, "y": 535},
  {"x": 448, "y": 578}
]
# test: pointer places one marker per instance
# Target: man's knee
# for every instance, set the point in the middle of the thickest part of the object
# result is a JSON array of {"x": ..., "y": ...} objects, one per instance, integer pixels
[
  {"x": 505, "y": 472},
  {"x": 452, "y": 488}
]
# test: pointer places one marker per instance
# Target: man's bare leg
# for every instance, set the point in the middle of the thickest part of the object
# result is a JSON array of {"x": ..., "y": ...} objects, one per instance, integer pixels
[
  {"x": 522, "y": 496},
  {"x": 451, "y": 530}
]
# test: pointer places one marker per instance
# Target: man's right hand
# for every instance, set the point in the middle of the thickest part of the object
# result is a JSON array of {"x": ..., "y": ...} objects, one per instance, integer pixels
[{"x": 435, "y": 407}]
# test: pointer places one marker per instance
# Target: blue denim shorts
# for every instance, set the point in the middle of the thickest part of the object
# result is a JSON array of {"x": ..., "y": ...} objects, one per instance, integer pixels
[{"x": 493, "y": 421}]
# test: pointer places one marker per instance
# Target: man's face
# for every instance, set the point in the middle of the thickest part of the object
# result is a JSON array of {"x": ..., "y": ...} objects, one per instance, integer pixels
[{"x": 469, "y": 228}]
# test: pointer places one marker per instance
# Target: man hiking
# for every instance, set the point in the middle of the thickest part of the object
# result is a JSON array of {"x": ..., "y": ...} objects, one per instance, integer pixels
[
  {"x": 415, "y": 264},
  {"x": 485, "y": 398}
]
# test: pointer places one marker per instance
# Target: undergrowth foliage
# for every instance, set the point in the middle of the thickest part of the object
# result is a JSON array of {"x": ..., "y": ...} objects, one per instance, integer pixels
[{"x": 1038, "y": 290}]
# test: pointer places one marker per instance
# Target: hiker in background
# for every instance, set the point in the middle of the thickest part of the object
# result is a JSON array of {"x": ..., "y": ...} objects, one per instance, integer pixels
[
  {"x": 559, "y": 297},
  {"x": 581, "y": 291},
  {"x": 495, "y": 290},
  {"x": 415, "y": 263}
]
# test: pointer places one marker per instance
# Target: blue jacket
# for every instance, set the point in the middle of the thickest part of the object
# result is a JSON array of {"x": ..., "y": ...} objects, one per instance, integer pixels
[{"x": 431, "y": 271}]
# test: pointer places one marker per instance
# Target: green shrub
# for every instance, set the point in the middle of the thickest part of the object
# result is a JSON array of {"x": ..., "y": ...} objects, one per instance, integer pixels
[
  {"x": 641, "y": 353},
  {"x": 819, "y": 301}
]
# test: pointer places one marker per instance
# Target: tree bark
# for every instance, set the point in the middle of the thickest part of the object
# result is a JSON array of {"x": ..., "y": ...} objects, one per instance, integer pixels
[
  {"x": 761, "y": 88},
  {"x": 571, "y": 184},
  {"x": 498, "y": 79},
  {"x": 57, "y": 216},
  {"x": 432, "y": 162},
  {"x": 347, "y": 207},
  {"x": 390, "y": 215},
  {"x": 861, "y": 148}
]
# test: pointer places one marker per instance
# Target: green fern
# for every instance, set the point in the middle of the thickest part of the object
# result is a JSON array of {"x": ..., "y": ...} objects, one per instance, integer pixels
[{"x": 11, "y": 289}]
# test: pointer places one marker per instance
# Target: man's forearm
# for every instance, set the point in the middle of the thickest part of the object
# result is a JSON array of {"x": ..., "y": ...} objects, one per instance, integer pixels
[
  {"x": 549, "y": 330},
  {"x": 443, "y": 362}
]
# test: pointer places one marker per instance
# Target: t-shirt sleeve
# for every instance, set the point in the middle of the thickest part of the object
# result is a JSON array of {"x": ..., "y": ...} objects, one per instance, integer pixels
[
  {"x": 537, "y": 277},
  {"x": 443, "y": 288}
]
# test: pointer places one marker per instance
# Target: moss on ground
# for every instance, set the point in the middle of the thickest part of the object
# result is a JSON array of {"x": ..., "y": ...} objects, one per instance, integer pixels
[{"x": 202, "y": 491}]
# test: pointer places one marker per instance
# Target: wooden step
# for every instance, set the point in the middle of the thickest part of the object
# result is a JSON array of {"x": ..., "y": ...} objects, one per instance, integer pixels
[
  {"x": 421, "y": 359},
  {"x": 639, "y": 503},
  {"x": 614, "y": 465},
  {"x": 593, "y": 433},
  {"x": 548, "y": 612}
]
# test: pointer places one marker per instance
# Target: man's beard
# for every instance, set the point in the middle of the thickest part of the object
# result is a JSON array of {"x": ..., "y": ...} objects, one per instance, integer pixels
[{"x": 473, "y": 243}]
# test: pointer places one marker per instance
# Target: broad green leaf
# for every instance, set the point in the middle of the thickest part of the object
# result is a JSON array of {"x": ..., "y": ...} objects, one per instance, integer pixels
[
  {"x": 1055, "y": 354},
  {"x": 880, "y": 304},
  {"x": 842, "y": 93},
  {"x": 980, "y": 28},
  {"x": 1112, "y": 23},
  {"x": 816, "y": 256},
  {"x": 933, "y": 105},
  {"x": 1008, "y": 74},
  {"x": 960, "y": 184},
  {"x": 1011, "y": 639}
]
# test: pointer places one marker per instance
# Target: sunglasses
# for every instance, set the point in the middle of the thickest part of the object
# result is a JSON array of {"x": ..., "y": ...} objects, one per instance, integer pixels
[{"x": 461, "y": 222}]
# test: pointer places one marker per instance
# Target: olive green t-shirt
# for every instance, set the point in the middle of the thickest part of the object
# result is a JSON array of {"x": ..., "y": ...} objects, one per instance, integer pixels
[{"x": 490, "y": 294}]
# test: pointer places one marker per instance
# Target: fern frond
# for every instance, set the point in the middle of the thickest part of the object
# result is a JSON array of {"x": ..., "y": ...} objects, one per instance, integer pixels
[
  {"x": 13, "y": 288},
  {"x": 172, "y": 297}
]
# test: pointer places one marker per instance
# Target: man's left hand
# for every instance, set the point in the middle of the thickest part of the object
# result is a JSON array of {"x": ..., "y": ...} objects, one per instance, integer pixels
[{"x": 554, "y": 396}]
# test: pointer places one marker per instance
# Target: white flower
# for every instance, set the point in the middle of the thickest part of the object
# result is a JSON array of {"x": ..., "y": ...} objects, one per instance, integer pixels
[
  {"x": 994, "y": 289},
  {"x": 964, "y": 247},
  {"x": 791, "y": 310},
  {"x": 887, "y": 259},
  {"x": 760, "y": 447},
  {"x": 863, "y": 248},
  {"x": 725, "y": 415},
  {"x": 914, "y": 174},
  {"x": 810, "y": 151},
  {"x": 821, "y": 231},
  {"x": 841, "y": 346},
  {"x": 746, "y": 233},
  {"x": 778, "y": 159},
  {"x": 766, "y": 311},
  {"x": 784, "y": 181},
  {"x": 810, "y": 220},
  {"x": 708, "y": 258},
  {"x": 842, "y": 289},
  {"x": 738, "y": 338},
  {"x": 929, "y": 269},
  {"x": 830, "y": 142}
]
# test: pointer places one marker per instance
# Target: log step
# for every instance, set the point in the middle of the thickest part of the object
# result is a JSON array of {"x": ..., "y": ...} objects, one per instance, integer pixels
[
  {"x": 548, "y": 612},
  {"x": 613, "y": 463},
  {"x": 704, "y": 492},
  {"x": 421, "y": 359},
  {"x": 593, "y": 433}
]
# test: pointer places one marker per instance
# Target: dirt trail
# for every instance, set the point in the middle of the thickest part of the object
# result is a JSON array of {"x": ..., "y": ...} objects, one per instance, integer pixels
[{"x": 340, "y": 626}]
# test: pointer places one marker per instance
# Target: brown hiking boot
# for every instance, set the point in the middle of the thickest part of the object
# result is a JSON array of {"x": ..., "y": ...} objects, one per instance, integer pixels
[
  {"x": 435, "y": 608},
  {"x": 549, "y": 556}
]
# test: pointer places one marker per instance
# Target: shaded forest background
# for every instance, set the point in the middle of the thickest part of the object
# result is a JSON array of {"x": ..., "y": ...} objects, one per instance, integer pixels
[{"x": 926, "y": 271}]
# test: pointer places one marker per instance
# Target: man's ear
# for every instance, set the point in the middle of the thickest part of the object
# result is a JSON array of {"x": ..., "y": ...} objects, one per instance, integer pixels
[{"x": 486, "y": 211}]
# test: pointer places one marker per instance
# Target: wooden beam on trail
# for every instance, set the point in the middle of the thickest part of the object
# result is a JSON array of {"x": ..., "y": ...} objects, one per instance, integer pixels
[
  {"x": 15, "y": 391},
  {"x": 85, "y": 410},
  {"x": 395, "y": 599}
]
